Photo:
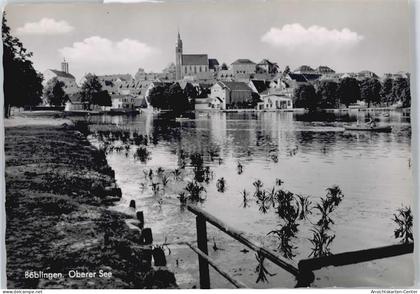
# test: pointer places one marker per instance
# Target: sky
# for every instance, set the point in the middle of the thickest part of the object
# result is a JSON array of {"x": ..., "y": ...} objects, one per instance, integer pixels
[{"x": 346, "y": 35}]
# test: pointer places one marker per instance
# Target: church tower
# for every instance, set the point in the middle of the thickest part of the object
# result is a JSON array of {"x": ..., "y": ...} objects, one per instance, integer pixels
[
  {"x": 65, "y": 66},
  {"x": 178, "y": 58}
]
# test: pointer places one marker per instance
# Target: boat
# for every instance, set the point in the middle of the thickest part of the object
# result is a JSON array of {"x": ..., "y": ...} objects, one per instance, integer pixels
[
  {"x": 182, "y": 119},
  {"x": 381, "y": 129}
]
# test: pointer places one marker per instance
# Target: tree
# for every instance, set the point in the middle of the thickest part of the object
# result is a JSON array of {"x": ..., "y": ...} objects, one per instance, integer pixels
[
  {"x": 370, "y": 90},
  {"x": 224, "y": 66},
  {"x": 178, "y": 101},
  {"x": 386, "y": 91},
  {"x": 401, "y": 91},
  {"x": 327, "y": 93},
  {"x": 190, "y": 91},
  {"x": 22, "y": 85},
  {"x": 102, "y": 98},
  {"x": 54, "y": 92},
  {"x": 348, "y": 91},
  {"x": 286, "y": 70},
  {"x": 158, "y": 97},
  {"x": 90, "y": 89},
  {"x": 305, "y": 96}
]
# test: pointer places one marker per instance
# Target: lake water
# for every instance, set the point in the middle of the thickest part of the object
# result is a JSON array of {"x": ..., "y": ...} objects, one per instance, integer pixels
[{"x": 373, "y": 171}]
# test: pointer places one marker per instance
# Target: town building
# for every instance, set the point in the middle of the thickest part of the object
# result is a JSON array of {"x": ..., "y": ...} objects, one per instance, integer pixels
[
  {"x": 168, "y": 74},
  {"x": 74, "y": 103},
  {"x": 243, "y": 66},
  {"x": 365, "y": 74},
  {"x": 275, "y": 102},
  {"x": 231, "y": 94},
  {"x": 286, "y": 84},
  {"x": 123, "y": 102},
  {"x": 259, "y": 86},
  {"x": 266, "y": 66},
  {"x": 304, "y": 69},
  {"x": 208, "y": 103},
  {"x": 324, "y": 70},
  {"x": 63, "y": 75},
  {"x": 114, "y": 83}
]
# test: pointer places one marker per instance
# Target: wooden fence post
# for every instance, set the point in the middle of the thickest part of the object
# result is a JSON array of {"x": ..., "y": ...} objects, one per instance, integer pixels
[
  {"x": 202, "y": 245},
  {"x": 140, "y": 218}
]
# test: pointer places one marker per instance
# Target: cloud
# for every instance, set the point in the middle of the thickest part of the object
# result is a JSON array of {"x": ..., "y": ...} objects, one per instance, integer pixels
[
  {"x": 46, "y": 26},
  {"x": 101, "y": 55},
  {"x": 295, "y": 36}
]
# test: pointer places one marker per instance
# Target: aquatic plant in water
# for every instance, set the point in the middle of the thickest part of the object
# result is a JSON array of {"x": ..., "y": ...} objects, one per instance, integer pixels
[
  {"x": 177, "y": 174},
  {"x": 261, "y": 270},
  {"x": 183, "y": 198},
  {"x": 195, "y": 190},
  {"x": 221, "y": 185},
  {"x": 155, "y": 188},
  {"x": 321, "y": 238},
  {"x": 304, "y": 206},
  {"x": 165, "y": 180},
  {"x": 258, "y": 186},
  {"x": 142, "y": 154},
  {"x": 286, "y": 233},
  {"x": 240, "y": 168},
  {"x": 245, "y": 199},
  {"x": 321, "y": 242},
  {"x": 404, "y": 220}
]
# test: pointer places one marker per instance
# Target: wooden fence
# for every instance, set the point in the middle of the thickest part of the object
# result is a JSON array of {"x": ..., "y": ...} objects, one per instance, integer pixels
[{"x": 303, "y": 271}]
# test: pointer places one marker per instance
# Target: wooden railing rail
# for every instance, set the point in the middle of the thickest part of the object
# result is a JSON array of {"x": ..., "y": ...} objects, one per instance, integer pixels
[
  {"x": 303, "y": 271},
  {"x": 355, "y": 256},
  {"x": 202, "y": 217}
]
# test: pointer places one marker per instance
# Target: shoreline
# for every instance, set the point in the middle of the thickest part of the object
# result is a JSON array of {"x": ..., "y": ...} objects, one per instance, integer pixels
[{"x": 58, "y": 188}]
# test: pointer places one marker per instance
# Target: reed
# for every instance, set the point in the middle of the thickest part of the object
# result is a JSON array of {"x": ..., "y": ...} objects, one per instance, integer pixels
[{"x": 404, "y": 221}]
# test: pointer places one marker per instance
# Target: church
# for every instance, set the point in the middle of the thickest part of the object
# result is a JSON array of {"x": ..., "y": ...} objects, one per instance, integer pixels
[{"x": 195, "y": 66}]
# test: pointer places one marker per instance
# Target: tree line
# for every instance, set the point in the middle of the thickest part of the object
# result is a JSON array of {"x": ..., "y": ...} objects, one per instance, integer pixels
[
  {"x": 170, "y": 96},
  {"x": 332, "y": 94}
]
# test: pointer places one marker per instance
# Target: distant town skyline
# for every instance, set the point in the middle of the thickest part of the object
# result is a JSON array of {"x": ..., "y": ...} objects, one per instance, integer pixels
[{"x": 348, "y": 36}]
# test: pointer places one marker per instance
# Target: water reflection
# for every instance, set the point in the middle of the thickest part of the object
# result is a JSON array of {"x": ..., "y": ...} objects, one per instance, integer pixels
[{"x": 372, "y": 170}]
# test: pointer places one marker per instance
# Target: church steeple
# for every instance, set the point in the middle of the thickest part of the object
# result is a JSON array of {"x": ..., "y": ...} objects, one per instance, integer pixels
[
  {"x": 65, "y": 66},
  {"x": 178, "y": 57}
]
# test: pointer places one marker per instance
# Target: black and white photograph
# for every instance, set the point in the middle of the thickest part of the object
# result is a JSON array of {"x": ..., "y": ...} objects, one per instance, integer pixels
[{"x": 215, "y": 144}]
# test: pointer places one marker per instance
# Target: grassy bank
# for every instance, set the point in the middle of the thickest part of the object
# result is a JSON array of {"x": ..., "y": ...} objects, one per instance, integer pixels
[{"x": 57, "y": 190}]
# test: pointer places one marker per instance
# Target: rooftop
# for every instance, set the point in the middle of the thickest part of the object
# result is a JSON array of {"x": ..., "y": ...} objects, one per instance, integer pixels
[
  {"x": 260, "y": 85},
  {"x": 195, "y": 59},
  {"x": 235, "y": 86},
  {"x": 62, "y": 74},
  {"x": 243, "y": 61}
]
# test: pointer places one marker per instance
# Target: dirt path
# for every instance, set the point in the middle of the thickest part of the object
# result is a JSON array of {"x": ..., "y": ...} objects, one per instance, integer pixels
[{"x": 57, "y": 189}]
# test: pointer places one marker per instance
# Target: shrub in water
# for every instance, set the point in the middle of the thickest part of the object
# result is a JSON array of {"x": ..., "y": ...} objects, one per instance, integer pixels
[{"x": 404, "y": 220}]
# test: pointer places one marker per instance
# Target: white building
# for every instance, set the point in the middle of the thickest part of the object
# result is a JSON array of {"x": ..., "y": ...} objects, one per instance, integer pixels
[
  {"x": 275, "y": 102},
  {"x": 123, "y": 102},
  {"x": 231, "y": 93}
]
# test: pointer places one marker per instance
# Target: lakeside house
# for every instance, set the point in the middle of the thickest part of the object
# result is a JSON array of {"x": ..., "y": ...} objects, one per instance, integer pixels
[
  {"x": 75, "y": 103},
  {"x": 275, "y": 102},
  {"x": 209, "y": 103},
  {"x": 124, "y": 102},
  {"x": 231, "y": 94}
]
